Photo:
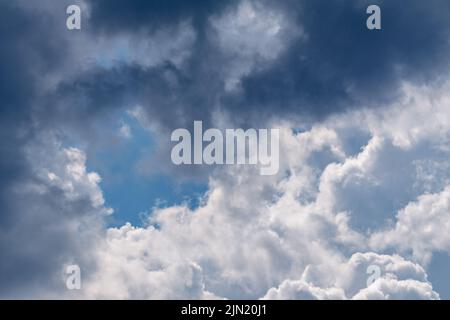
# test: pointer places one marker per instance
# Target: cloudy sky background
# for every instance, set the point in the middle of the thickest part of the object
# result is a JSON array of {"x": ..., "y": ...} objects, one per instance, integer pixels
[{"x": 86, "y": 176}]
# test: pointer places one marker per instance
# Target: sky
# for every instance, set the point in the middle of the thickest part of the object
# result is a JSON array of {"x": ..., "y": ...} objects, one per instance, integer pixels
[{"x": 86, "y": 176}]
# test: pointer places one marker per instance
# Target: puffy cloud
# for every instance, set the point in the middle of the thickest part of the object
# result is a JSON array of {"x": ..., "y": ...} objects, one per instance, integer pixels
[
  {"x": 58, "y": 218},
  {"x": 251, "y": 36},
  {"x": 286, "y": 236},
  {"x": 243, "y": 240},
  {"x": 403, "y": 122},
  {"x": 139, "y": 272},
  {"x": 64, "y": 169},
  {"x": 389, "y": 289},
  {"x": 300, "y": 290},
  {"x": 420, "y": 227},
  {"x": 293, "y": 235},
  {"x": 274, "y": 229},
  {"x": 397, "y": 279}
]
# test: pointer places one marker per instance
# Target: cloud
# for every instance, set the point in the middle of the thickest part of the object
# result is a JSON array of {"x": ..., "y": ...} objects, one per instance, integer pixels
[
  {"x": 242, "y": 240},
  {"x": 385, "y": 289},
  {"x": 57, "y": 215},
  {"x": 420, "y": 227},
  {"x": 251, "y": 36},
  {"x": 399, "y": 279},
  {"x": 65, "y": 170},
  {"x": 39, "y": 221},
  {"x": 257, "y": 60},
  {"x": 365, "y": 128},
  {"x": 146, "y": 49},
  {"x": 300, "y": 233},
  {"x": 300, "y": 290}
]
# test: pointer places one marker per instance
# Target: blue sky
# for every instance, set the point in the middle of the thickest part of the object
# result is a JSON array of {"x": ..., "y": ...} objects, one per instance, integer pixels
[{"x": 132, "y": 194}]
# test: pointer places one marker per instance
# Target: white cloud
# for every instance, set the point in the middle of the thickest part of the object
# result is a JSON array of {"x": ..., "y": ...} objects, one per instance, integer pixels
[
  {"x": 293, "y": 235},
  {"x": 300, "y": 290},
  {"x": 421, "y": 115},
  {"x": 399, "y": 279},
  {"x": 422, "y": 226},
  {"x": 286, "y": 236},
  {"x": 391, "y": 289},
  {"x": 65, "y": 170},
  {"x": 251, "y": 35}
]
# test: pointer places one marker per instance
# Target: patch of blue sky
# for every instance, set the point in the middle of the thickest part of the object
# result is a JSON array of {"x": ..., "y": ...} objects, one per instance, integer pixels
[
  {"x": 130, "y": 193},
  {"x": 439, "y": 274}
]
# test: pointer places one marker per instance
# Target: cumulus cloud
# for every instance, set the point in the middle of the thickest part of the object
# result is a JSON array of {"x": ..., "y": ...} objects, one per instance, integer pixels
[
  {"x": 398, "y": 279},
  {"x": 65, "y": 169},
  {"x": 300, "y": 290},
  {"x": 251, "y": 36},
  {"x": 278, "y": 237},
  {"x": 420, "y": 227},
  {"x": 388, "y": 289},
  {"x": 59, "y": 211}
]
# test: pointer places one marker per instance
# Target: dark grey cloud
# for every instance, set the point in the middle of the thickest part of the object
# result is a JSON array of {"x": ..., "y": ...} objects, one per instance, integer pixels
[
  {"x": 118, "y": 16},
  {"x": 36, "y": 235},
  {"x": 339, "y": 65},
  {"x": 345, "y": 65}
]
